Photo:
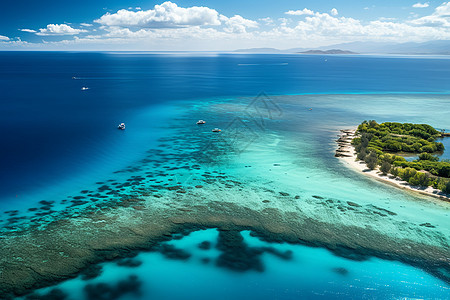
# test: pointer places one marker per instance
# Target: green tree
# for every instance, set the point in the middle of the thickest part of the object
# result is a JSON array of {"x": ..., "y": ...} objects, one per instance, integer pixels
[
  {"x": 446, "y": 188},
  {"x": 427, "y": 156},
  {"x": 407, "y": 173},
  {"x": 385, "y": 167},
  {"x": 420, "y": 178},
  {"x": 362, "y": 154},
  {"x": 371, "y": 160},
  {"x": 395, "y": 171}
]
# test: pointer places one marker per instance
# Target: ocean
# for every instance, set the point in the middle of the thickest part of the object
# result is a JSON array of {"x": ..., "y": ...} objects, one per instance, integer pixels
[{"x": 280, "y": 114}]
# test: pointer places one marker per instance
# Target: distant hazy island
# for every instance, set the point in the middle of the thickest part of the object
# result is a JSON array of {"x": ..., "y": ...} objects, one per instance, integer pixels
[
  {"x": 332, "y": 51},
  {"x": 440, "y": 47},
  {"x": 374, "y": 149}
]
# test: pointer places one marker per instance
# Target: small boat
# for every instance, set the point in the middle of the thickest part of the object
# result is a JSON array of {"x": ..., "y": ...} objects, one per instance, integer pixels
[
  {"x": 121, "y": 126},
  {"x": 199, "y": 122},
  {"x": 84, "y": 88},
  {"x": 74, "y": 77},
  {"x": 216, "y": 130}
]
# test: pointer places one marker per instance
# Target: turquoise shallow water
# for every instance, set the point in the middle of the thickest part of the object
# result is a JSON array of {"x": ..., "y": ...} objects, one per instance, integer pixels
[
  {"x": 310, "y": 273},
  {"x": 292, "y": 151},
  {"x": 285, "y": 143}
]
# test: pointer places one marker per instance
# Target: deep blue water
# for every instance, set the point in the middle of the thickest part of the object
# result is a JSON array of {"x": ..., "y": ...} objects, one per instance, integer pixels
[{"x": 53, "y": 131}]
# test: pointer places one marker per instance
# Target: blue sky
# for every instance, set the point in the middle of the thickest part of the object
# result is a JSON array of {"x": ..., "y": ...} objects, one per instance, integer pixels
[{"x": 216, "y": 25}]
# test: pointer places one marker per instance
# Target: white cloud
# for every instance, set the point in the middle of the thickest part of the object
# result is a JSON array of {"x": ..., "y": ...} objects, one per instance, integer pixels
[
  {"x": 86, "y": 24},
  {"x": 28, "y": 30},
  {"x": 304, "y": 11},
  {"x": 439, "y": 18},
  {"x": 166, "y": 15},
  {"x": 323, "y": 28},
  {"x": 237, "y": 24},
  {"x": 386, "y": 19},
  {"x": 12, "y": 45},
  {"x": 59, "y": 29},
  {"x": 267, "y": 20},
  {"x": 421, "y": 5},
  {"x": 168, "y": 26},
  {"x": 4, "y": 38},
  {"x": 283, "y": 21}
]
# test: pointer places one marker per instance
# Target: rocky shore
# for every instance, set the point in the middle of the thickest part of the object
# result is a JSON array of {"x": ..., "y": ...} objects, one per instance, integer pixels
[{"x": 345, "y": 148}]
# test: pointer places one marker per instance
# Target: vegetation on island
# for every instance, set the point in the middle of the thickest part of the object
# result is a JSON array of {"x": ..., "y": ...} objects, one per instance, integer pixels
[{"x": 378, "y": 145}]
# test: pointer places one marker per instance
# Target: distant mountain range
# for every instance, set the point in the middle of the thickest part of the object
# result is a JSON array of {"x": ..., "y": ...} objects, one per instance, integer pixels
[
  {"x": 426, "y": 48},
  {"x": 332, "y": 51},
  {"x": 260, "y": 50}
]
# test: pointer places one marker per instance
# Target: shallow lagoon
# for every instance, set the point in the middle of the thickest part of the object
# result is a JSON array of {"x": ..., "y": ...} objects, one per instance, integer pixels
[
  {"x": 309, "y": 273},
  {"x": 293, "y": 153}
]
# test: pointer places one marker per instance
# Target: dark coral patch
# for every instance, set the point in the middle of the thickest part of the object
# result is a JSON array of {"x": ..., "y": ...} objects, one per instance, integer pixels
[
  {"x": 427, "y": 225},
  {"x": 340, "y": 271},
  {"x": 129, "y": 262},
  {"x": 205, "y": 245},
  {"x": 236, "y": 255},
  {"x": 55, "y": 294},
  {"x": 349, "y": 253},
  {"x": 104, "y": 291},
  {"x": 286, "y": 255},
  {"x": 171, "y": 252},
  {"x": 91, "y": 272}
]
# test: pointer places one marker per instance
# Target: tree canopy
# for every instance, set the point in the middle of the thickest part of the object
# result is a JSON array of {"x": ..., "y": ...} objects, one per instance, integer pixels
[{"x": 378, "y": 145}]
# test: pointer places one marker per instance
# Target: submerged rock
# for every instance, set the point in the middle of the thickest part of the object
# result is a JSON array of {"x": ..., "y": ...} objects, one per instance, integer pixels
[
  {"x": 236, "y": 255},
  {"x": 104, "y": 291},
  {"x": 427, "y": 225},
  {"x": 129, "y": 262},
  {"x": 286, "y": 255},
  {"x": 340, "y": 271},
  {"x": 91, "y": 272},
  {"x": 171, "y": 252},
  {"x": 205, "y": 245},
  {"x": 206, "y": 260},
  {"x": 55, "y": 294}
]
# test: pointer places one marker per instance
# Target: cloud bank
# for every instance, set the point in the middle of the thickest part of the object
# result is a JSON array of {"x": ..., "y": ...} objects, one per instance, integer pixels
[
  {"x": 170, "y": 26},
  {"x": 58, "y": 29},
  {"x": 439, "y": 18},
  {"x": 166, "y": 15},
  {"x": 302, "y": 12},
  {"x": 421, "y": 5}
]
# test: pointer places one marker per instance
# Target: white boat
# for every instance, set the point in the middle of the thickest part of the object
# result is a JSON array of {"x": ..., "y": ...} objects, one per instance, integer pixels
[
  {"x": 199, "y": 122},
  {"x": 121, "y": 126},
  {"x": 216, "y": 130},
  {"x": 84, "y": 88}
]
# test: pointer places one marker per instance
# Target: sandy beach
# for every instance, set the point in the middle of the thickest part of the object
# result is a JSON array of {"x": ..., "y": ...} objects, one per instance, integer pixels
[{"x": 347, "y": 155}]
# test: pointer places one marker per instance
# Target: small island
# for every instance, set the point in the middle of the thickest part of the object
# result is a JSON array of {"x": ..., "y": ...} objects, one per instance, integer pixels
[{"x": 378, "y": 149}]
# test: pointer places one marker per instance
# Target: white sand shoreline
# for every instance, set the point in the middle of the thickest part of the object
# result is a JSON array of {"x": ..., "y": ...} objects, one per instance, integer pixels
[{"x": 347, "y": 155}]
